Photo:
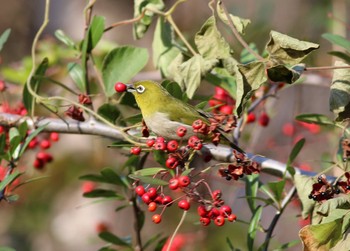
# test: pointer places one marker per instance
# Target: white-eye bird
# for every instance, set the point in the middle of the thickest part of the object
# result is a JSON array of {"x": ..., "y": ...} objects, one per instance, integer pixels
[{"x": 163, "y": 113}]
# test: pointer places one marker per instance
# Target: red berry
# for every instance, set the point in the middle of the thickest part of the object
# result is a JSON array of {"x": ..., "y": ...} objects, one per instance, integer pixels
[
  {"x": 167, "y": 200},
  {"x": 136, "y": 150},
  {"x": 197, "y": 124},
  {"x": 202, "y": 211},
  {"x": 150, "y": 142},
  {"x": 173, "y": 183},
  {"x": 226, "y": 109},
  {"x": 54, "y": 136},
  {"x": 184, "y": 204},
  {"x": 32, "y": 144},
  {"x": 195, "y": 143},
  {"x": 205, "y": 221},
  {"x": 120, "y": 87},
  {"x": 140, "y": 190},
  {"x": 38, "y": 164},
  {"x": 184, "y": 181},
  {"x": 152, "y": 206},
  {"x": 220, "y": 91},
  {"x": 152, "y": 192},
  {"x": 160, "y": 146},
  {"x": 219, "y": 221},
  {"x": 88, "y": 186},
  {"x": 101, "y": 227},
  {"x": 181, "y": 131},
  {"x": 264, "y": 119},
  {"x": 171, "y": 162},
  {"x": 146, "y": 198},
  {"x": 160, "y": 139},
  {"x": 157, "y": 218},
  {"x": 158, "y": 199},
  {"x": 45, "y": 144},
  {"x": 225, "y": 210},
  {"x": 216, "y": 194},
  {"x": 288, "y": 129},
  {"x": 232, "y": 217},
  {"x": 213, "y": 213},
  {"x": 172, "y": 145},
  {"x": 2, "y": 129},
  {"x": 251, "y": 117}
]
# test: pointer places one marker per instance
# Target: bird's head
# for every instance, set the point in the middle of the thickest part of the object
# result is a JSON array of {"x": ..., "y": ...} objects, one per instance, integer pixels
[{"x": 149, "y": 95}]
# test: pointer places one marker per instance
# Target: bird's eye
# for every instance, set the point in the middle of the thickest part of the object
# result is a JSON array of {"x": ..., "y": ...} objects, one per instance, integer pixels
[{"x": 140, "y": 89}]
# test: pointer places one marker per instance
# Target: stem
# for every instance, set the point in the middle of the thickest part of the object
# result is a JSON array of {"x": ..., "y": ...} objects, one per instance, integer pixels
[
  {"x": 11, "y": 167},
  {"x": 179, "y": 33},
  {"x": 172, "y": 9},
  {"x": 237, "y": 35},
  {"x": 322, "y": 68},
  {"x": 35, "y": 41},
  {"x": 275, "y": 219},
  {"x": 176, "y": 230},
  {"x": 129, "y": 21}
]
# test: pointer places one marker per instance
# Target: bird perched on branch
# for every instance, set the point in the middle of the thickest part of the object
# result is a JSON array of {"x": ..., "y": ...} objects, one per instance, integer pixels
[{"x": 164, "y": 114}]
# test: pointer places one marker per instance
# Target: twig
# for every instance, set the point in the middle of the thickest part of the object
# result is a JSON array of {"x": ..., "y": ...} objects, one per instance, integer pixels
[
  {"x": 277, "y": 216},
  {"x": 177, "y": 230},
  {"x": 130, "y": 21},
  {"x": 322, "y": 68},
  {"x": 237, "y": 35}
]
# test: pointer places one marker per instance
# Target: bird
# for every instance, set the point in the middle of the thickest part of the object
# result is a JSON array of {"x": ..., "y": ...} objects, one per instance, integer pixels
[{"x": 163, "y": 113}]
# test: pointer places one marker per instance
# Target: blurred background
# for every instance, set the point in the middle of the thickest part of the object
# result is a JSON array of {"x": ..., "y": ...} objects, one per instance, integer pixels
[{"x": 52, "y": 215}]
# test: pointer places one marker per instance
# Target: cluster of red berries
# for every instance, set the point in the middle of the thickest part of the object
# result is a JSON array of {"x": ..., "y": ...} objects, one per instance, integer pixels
[
  {"x": 263, "y": 119},
  {"x": 324, "y": 190},
  {"x": 345, "y": 144},
  {"x": 242, "y": 165},
  {"x": 44, "y": 143},
  {"x": 222, "y": 101},
  {"x": 216, "y": 211}
]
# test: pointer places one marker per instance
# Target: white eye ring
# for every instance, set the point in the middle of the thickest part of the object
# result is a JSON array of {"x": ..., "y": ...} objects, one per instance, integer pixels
[{"x": 140, "y": 89}]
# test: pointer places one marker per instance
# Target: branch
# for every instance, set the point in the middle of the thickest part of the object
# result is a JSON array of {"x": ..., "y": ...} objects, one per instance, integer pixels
[{"x": 220, "y": 153}]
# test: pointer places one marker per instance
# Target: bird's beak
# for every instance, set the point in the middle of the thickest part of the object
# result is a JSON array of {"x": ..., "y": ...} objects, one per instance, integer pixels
[{"x": 130, "y": 88}]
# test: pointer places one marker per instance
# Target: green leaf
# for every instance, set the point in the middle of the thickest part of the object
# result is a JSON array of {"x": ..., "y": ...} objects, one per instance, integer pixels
[
  {"x": 112, "y": 177},
  {"x": 9, "y": 179},
  {"x": 251, "y": 188},
  {"x": 107, "y": 249},
  {"x": 111, "y": 238},
  {"x": 3, "y": 38},
  {"x": 190, "y": 72},
  {"x": 140, "y": 27},
  {"x": 22, "y": 129},
  {"x": 161, "y": 244},
  {"x": 339, "y": 100},
  {"x": 160, "y": 157},
  {"x": 226, "y": 81},
  {"x": 104, "y": 194},
  {"x": 149, "y": 171},
  {"x": 164, "y": 51},
  {"x": 76, "y": 73},
  {"x": 148, "y": 180},
  {"x": 338, "y": 40},
  {"x": 151, "y": 240},
  {"x": 303, "y": 185},
  {"x": 277, "y": 188},
  {"x": 30, "y": 137},
  {"x": 253, "y": 226},
  {"x": 60, "y": 35},
  {"x": 210, "y": 43},
  {"x": 240, "y": 23},
  {"x": 313, "y": 118},
  {"x": 94, "y": 178},
  {"x": 133, "y": 119},
  {"x": 281, "y": 73},
  {"x": 341, "y": 55},
  {"x": 295, "y": 151},
  {"x": 321, "y": 236},
  {"x": 287, "y": 50},
  {"x": 109, "y": 112},
  {"x": 121, "y": 64},
  {"x": 287, "y": 245},
  {"x": 95, "y": 31},
  {"x": 28, "y": 100},
  {"x": 249, "y": 78}
]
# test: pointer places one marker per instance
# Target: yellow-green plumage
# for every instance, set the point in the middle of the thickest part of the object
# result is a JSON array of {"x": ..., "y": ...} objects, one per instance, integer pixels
[{"x": 163, "y": 113}]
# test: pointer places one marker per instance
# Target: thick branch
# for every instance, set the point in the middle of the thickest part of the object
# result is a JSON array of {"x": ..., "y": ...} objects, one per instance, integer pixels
[{"x": 220, "y": 153}]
